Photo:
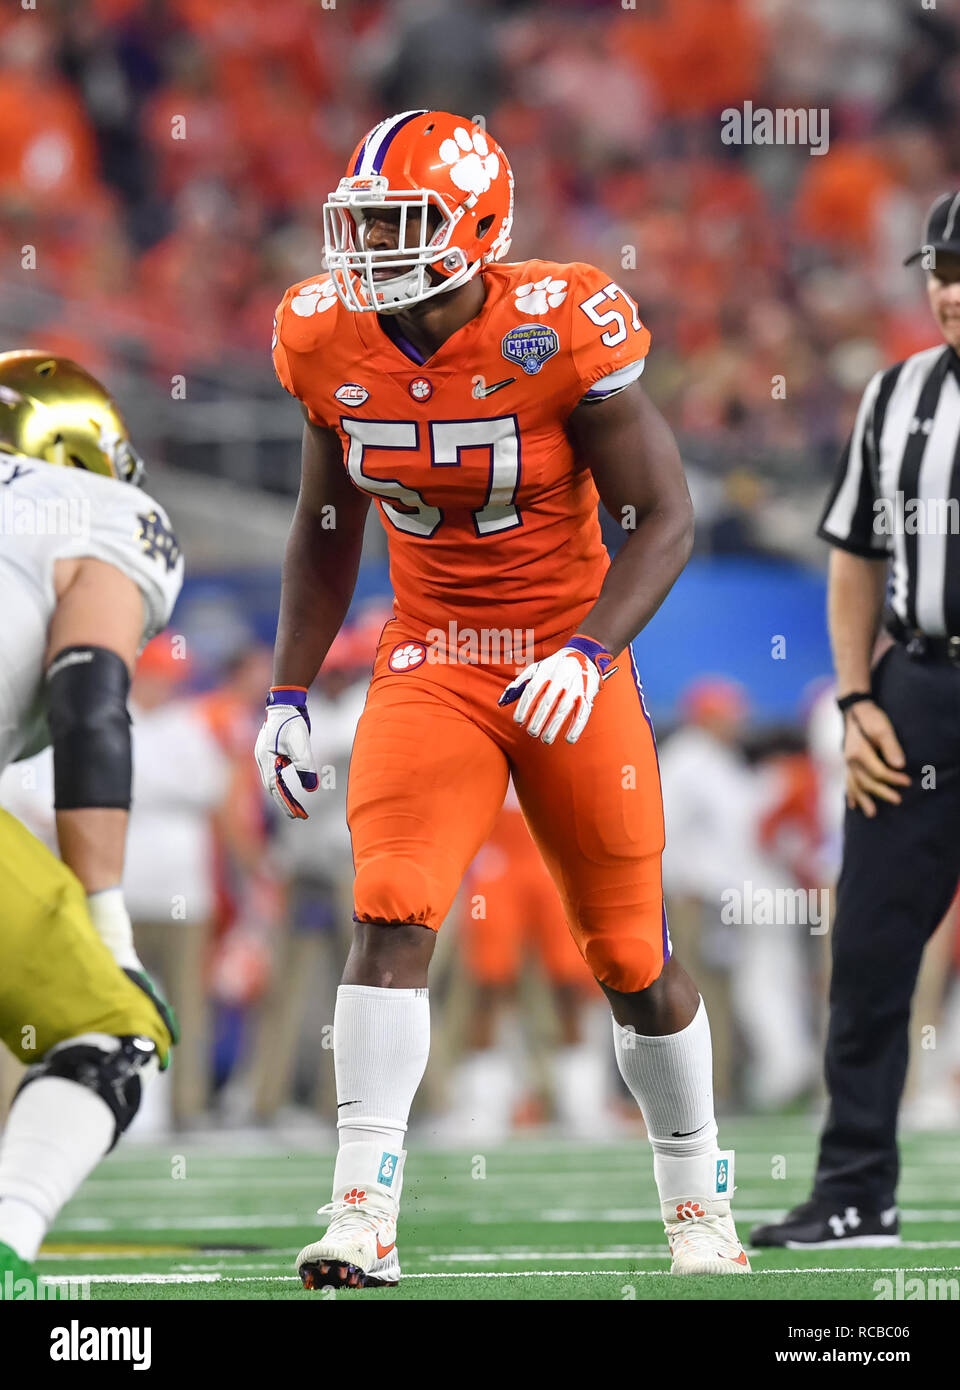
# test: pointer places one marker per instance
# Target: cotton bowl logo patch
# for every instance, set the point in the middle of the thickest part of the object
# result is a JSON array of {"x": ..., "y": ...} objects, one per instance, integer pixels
[
  {"x": 420, "y": 388},
  {"x": 351, "y": 394},
  {"x": 529, "y": 346},
  {"x": 407, "y": 656}
]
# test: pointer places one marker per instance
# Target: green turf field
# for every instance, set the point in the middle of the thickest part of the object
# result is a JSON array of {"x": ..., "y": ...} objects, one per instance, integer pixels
[{"x": 547, "y": 1220}]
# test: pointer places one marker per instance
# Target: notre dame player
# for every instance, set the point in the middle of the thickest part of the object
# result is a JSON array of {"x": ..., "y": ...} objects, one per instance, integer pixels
[{"x": 89, "y": 572}]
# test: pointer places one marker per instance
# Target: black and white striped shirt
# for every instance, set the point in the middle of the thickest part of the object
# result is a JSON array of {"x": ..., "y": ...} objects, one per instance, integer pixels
[{"x": 897, "y": 489}]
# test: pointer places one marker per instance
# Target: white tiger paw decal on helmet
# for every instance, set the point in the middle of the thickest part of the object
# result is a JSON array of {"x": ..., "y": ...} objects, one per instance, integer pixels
[
  {"x": 540, "y": 295},
  {"x": 474, "y": 165},
  {"x": 314, "y": 299}
]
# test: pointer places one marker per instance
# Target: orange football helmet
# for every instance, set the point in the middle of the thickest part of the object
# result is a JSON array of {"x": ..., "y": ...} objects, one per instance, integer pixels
[{"x": 416, "y": 161}]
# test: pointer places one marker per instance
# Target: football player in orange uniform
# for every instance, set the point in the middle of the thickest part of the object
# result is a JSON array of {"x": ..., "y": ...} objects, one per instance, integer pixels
[{"x": 485, "y": 407}]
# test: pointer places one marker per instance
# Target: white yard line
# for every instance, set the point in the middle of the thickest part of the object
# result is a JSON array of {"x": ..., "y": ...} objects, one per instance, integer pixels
[{"x": 488, "y": 1274}]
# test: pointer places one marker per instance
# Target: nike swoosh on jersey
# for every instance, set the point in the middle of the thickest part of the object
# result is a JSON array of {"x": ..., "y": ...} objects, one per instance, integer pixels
[{"x": 479, "y": 392}]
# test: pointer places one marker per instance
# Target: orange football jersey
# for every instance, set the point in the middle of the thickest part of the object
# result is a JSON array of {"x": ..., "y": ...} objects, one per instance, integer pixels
[{"x": 491, "y": 522}]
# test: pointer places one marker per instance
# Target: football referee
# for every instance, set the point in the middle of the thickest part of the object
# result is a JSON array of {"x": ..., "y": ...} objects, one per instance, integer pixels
[{"x": 893, "y": 520}]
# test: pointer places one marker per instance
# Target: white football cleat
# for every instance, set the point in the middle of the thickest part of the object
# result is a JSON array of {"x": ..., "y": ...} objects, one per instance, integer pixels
[
  {"x": 358, "y": 1250},
  {"x": 703, "y": 1238}
]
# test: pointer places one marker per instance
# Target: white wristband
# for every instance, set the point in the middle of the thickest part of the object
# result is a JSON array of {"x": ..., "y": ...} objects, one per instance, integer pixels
[{"x": 109, "y": 915}]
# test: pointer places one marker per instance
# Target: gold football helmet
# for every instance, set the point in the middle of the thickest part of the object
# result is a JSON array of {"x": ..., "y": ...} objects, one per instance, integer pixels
[{"x": 52, "y": 409}]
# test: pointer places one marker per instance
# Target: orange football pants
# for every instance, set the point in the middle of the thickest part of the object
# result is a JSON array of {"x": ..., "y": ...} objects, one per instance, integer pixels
[
  {"x": 511, "y": 906},
  {"x": 428, "y": 775}
]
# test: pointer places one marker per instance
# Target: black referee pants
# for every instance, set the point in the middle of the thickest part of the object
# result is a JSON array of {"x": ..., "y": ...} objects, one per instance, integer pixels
[{"x": 898, "y": 877}]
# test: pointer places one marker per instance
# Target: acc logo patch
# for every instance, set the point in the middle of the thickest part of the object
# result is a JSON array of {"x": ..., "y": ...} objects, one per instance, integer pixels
[
  {"x": 407, "y": 656},
  {"x": 529, "y": 346},
  {"x": 420, "y": 388},
  {"x": 351, "y": 394}
]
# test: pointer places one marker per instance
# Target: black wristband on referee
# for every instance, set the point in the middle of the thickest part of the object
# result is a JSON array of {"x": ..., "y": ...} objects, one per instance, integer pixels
[{"x": 845, "y": 701}]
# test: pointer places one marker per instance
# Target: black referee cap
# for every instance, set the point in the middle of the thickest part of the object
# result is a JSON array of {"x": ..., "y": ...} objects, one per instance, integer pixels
[{"x": 942, "y": 229}]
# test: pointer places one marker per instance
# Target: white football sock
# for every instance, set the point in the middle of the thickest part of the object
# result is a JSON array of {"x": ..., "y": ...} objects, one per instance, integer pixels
[
  {"x": 671, "y": 1079},
  {"x": 381, "y": 1041},
  {"x": 56, "y": 1133}
]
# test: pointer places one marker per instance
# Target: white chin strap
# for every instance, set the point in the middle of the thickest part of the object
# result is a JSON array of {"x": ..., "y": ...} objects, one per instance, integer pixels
[
  {"x": 404, "y": 289},
  {"x": 361, "y": 293}
]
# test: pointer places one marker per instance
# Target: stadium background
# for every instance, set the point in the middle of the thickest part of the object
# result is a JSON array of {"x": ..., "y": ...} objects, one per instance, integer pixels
[{"x": 162, "y": 170}]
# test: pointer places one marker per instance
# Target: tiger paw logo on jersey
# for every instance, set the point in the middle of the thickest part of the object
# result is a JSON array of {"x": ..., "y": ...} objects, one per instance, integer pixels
[
  {"x": 354, "y": 1197},
  {"x": 689, "y": 1211},
  {"x": 420, "y": 388},
  {"x": 529, "y": 346},
  {"x": 407, "y": 656},
  {"x": 474, "y": 166},
  {"x": 540, "y": 295},
  {"x": 314, "y": 299}
]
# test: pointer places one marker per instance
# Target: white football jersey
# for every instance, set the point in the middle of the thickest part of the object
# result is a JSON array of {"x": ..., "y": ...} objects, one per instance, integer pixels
[{"x": 47, "y": 513}]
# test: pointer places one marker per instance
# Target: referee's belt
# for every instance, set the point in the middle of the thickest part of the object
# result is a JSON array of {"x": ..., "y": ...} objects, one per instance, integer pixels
[{"x": 919, "y": 646}]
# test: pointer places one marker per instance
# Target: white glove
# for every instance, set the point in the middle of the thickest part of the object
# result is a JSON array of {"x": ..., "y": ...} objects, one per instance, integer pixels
[
  {"x": 284, "y": 741},
  {"x": 565, "y": 684}
]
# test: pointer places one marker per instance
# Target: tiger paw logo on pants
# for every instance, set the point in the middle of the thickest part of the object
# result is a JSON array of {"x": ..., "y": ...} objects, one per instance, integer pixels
[{"x": 407, "y": 656}]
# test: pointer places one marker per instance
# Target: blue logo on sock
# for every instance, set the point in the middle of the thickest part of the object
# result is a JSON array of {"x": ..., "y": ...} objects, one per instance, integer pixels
[
  {"x": 388, "y": 1166},
  {"x": 721, "y": 1175}
]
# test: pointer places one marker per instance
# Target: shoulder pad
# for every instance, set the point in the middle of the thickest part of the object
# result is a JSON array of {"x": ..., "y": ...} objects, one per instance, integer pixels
[{"x": 305, "y": 320}]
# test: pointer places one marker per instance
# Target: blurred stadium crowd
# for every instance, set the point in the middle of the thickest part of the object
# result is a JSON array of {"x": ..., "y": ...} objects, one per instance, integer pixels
[
  {"x": 167, "y": 161},
  {"x": 170, "y": 158}
]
